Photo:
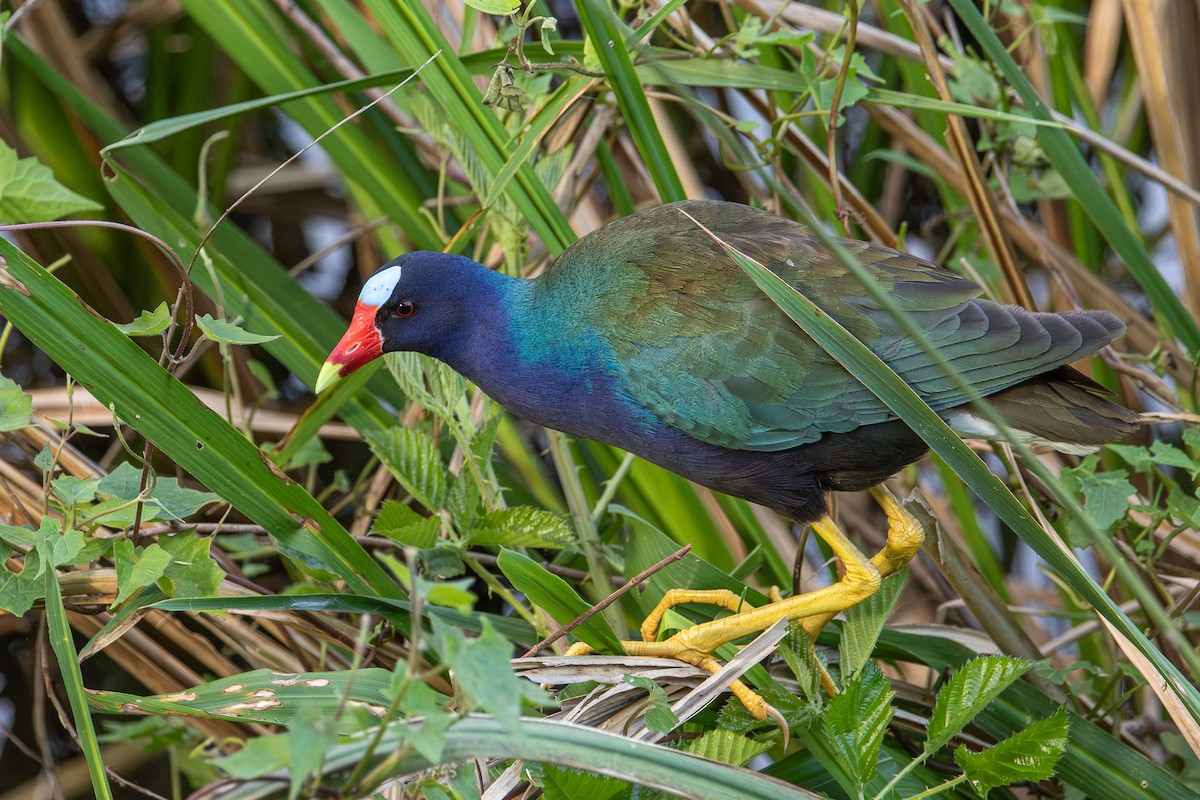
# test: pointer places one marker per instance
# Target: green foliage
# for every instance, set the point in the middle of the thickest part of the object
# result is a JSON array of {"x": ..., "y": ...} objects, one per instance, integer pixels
[
  {"x": 1029, "y": 755},
  {"x": 865, "y": 621},
  {"x": 148, "y": 323},
  {"x": 29, "y": 192},
  {"x": 226, "y": 332},
  {"x": 856, "y": 720},
  {"x": 16, "y": 407},
  {"x": 659, "y": 716},
  {"x": 967, "y": 693},
  {"x": 413, "y": 458},
  {"x": 468, "y": 553}
]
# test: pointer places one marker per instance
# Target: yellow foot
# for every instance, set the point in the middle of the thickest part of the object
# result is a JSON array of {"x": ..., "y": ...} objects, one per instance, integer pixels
[{"x": 860, "y": 579}]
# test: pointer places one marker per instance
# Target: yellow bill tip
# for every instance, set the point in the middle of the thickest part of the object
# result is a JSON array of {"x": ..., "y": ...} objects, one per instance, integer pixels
[{"x": 326, "y": 377}]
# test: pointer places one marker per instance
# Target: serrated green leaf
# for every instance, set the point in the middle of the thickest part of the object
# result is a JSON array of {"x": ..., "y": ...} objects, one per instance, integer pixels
[
  {"x": 463, "y": 500},
  {"x": 521, "y": 526},
  {"x": 413, "y": 459},
  {"x": 399, "y": 522},
  {"x": 29, "y": 192},
  {"x": 226, "y": 332},
  {"x": 16, "y": 407},
  {"x": 564, "y": 783},
  {"x": 969, "y": 690},
  {"x": 659, "y": 717},
  {"x": 801, "y": 657},
  {"x": 1028, "y": 755},
  {"x": 148, "y": 323},
  {"x": 856, "y": 720},
  {"x": 864, "y": 622},
  {"x": 727, "y": 747},
  {"x": 556, "y": 597}
]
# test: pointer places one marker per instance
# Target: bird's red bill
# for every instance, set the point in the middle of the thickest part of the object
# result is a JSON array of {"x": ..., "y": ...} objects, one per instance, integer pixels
[{"x": 361, "y": 342}]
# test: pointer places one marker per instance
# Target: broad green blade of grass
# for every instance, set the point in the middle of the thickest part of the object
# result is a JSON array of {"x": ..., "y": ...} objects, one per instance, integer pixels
[
  {"x": 1066, "y": 158},
  {"x": 604, "y": 31},
  {"x": 141, "y": 393},
  {"x": 551, "y": 593},
  {"x": 416, "y": 37},
  {"x": 62, "y": 642},
  {"x": 858, "y": 359}
]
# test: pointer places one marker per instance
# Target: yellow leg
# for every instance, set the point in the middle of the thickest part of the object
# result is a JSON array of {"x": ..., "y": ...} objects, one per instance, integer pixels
[
  {"x": 675, "y": 597},
  {"x": 860, "y": 579},
  {"x": 904, "y": 539}
]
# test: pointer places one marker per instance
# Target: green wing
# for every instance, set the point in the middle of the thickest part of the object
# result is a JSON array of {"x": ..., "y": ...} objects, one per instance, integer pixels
[{"x": 698, "y": 345}]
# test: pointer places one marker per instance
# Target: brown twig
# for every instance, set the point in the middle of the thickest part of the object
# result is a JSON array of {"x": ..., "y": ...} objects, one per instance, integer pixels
[{"x": 606, "y": 602}]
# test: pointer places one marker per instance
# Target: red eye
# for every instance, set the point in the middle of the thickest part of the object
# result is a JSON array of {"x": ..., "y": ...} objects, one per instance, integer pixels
[{"x": 405, "y": 308}]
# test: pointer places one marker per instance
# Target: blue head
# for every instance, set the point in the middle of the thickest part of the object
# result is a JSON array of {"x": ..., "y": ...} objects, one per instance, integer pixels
[{"x": 431, "y": 303}]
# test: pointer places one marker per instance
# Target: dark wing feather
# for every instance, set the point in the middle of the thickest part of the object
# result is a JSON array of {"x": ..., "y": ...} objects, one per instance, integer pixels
[{"x": 697, "y": 344}]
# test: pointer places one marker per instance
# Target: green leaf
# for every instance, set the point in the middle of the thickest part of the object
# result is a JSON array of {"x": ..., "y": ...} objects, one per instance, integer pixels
[
  {"x": 857, "y": 719},
  {"x": 18, "y": 536},
  {"x": 726, "y": 746},
  {"x": 168, "y": 500},
  {"x": 399, "y": 522},
  {"x": 139, "y": 568},
  {"x": 1028, "y": 755},
  {"x": 1106, "y": 497},
  {"x": 20, "y": 590},
  {"x": 801, "y": 657},
  {"x": 659, "y": 717},
  {"x": 73, "y": 491},
  {"x": 224, "y": 331},
  {"x": 864, "y": 622},
  {"x": 969, "y": 690},
  {"x": 1171, "y": 456},
  {"x": 29, "y": 192},
  {"x": 16, "y": 407},
  {"x": 260, "y": 755},
  {"x": 497, "y": 8},
  {"x": 309, "y": 737},
  {"x": 148, "y": 323},
  {"x": 413, "y": 459},
  {"x": 192, "y": 571},
  {"x": 556, "y": 597},
  {"x": 484, "y": 670},
  {"x": 451, "y": 594},
  {"x": 60, "y": 549},
  {"x": 522, "y": 526},
  {"x": 564, "y": 783}
]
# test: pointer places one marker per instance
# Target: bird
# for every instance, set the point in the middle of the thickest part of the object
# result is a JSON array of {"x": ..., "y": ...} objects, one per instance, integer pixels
[{"x": 647, "y": 335}]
